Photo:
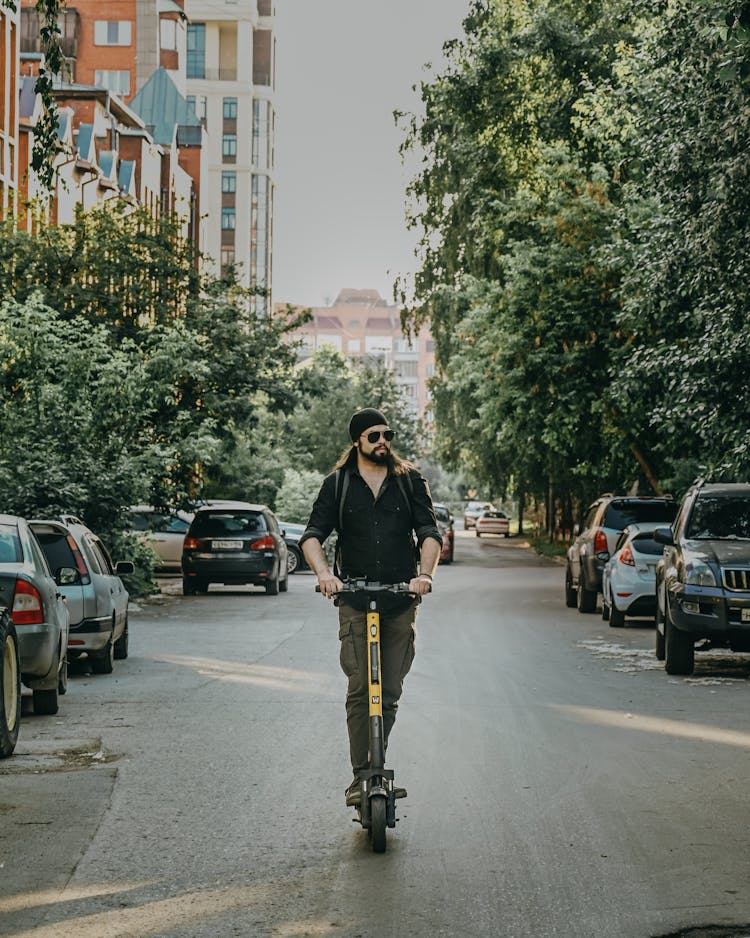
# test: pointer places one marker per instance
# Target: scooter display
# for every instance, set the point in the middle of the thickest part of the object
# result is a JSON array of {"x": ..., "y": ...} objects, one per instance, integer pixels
[{"x": 376, "y": 811}]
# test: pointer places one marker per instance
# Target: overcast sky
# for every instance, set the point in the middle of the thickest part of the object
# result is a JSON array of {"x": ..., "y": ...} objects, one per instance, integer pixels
[{"x": 342, "y": 68}]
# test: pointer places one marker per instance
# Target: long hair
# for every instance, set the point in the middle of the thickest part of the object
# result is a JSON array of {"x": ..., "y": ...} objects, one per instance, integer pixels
[{"x": 394, "y": 462}]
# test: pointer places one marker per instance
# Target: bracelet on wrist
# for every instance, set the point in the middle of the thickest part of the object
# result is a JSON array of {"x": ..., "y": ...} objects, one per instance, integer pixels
[{"x": 428, "y": 575}]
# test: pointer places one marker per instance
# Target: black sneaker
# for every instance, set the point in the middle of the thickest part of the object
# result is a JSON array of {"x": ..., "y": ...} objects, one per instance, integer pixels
[{"x": 354, "y": 793}]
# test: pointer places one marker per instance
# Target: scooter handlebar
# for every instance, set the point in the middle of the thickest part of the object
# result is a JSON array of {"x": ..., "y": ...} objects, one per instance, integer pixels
[{"x": 366, "y": 586}]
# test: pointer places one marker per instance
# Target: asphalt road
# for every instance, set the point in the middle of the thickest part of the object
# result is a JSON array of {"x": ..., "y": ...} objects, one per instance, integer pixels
[{"x": 560, "y": 783}]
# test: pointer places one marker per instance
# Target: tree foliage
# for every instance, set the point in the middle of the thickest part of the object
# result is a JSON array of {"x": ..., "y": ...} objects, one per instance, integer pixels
[{"x": 584, "y": 242}]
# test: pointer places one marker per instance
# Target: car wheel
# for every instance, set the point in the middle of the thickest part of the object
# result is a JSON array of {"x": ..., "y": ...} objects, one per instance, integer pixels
[
  {"x": 585, "y": 598},
  {"x": 189, "y": 587},
  {"x": 104, "y": 661},
  {"x": 272, "y": 587},
  {"x": 284, "y": 584},
  {"x": 571, "y": 594},
  {"x": 659, "y": 648},
  {"x": 679, "y": 648},
  {"x": 478, "y": 534},
  {"x": 616, "y": 618},
  {"x": 45, "y": 702},
  {"x": 507, "y": 533},
  {"x": 605, "y": 609},
  {"x": 292, "y": 560},
  {"x": 121, "y": 645},
  {"x": 10, "y": 688},
  {"x": 201, "y": 586}
]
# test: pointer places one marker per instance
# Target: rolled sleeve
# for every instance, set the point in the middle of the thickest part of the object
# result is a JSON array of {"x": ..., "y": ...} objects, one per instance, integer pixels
[
  {"x": 425, "y": 522},
  {"x": 324, "y": 514}
]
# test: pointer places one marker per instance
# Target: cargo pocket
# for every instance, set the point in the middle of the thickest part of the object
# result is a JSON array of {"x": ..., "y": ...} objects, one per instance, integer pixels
[
  {"x": 348, "y": 653},
  {"x": 408, "y": 656}
]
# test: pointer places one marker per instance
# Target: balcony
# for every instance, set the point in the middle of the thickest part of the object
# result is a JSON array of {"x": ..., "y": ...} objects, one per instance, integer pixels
[{"x": 219, "y": 74}]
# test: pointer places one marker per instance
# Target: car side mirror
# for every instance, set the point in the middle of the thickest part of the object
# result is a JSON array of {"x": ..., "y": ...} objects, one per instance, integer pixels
[
  {"x": 664, "y": 536},
  {"x": 67, "y": 576},
  {"x": 124, "y": 567}
]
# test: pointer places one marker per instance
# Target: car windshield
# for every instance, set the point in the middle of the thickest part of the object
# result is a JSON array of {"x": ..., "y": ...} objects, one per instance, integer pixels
[
  {"x": 620, "y": 514},
  {"x": 10, "y": 545},
  {"x": 493, "y": 514},
  {"x": 720, "y": 517},
  {"x": 227, "y": 524}
]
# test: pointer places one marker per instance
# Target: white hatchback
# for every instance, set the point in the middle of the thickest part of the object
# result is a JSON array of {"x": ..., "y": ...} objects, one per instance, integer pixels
[
  {"x": 493, "y": 522},
  {"x": 629, "y": 576}
]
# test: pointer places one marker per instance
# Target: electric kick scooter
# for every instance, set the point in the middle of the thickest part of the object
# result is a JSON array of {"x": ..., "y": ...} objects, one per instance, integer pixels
[{"x": 377, "y": 806}]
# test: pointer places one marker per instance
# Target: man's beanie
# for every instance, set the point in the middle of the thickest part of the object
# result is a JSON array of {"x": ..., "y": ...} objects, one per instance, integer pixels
[{"x": 363, "y": 420}]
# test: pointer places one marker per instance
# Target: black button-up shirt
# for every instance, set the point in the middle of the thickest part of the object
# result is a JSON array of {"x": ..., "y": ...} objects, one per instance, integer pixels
[{"x": 376, "y": 542}]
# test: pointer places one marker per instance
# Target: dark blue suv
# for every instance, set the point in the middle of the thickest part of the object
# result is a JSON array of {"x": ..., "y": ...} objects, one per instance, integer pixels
[{"x": 703, "y": 578}]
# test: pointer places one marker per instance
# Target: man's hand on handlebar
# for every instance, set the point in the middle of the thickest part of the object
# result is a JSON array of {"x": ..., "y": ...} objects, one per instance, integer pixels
[
  {"x": 421, "y": 584},
  {"x": 329, "y": 584}
]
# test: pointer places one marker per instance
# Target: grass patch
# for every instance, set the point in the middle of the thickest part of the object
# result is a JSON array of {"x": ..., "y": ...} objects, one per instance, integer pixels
[{"x": 545, "y": 547}]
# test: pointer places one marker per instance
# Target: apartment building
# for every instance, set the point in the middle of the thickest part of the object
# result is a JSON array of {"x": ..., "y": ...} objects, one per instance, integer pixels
[
  {"x": 9, "y": 70},
  {"x": 360, "y": 323},
  {"x": 230, "y": 82},
  {"x": 116, "y": 44}
]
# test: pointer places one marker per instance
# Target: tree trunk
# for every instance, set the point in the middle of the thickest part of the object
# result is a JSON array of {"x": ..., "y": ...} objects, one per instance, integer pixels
[
  {"x": 521, "y": 508},
  {"x": 646, "y": 467}
]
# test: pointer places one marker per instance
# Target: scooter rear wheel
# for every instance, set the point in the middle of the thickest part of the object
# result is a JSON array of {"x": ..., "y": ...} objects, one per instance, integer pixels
[{"x": 378, "y": 823}]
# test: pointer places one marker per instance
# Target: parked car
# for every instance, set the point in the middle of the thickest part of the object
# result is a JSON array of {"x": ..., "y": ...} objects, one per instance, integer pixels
[
  {"x": 447, "y": 532},
  {"x": 291, "y": 533},
  {"x": 605, "y": 520},
  {"x": 628, "y": 579},
  {"x": 96, "y": 596},
  {"x": 234, "y": 543},
  {"x": 164, "y": 532},
  {"x": 473, "y": 510},
  {"x": 10, "y": 684},
  {"x": 703, "y": 579},
  {"x": 40, "y": 616},
  {"x": 493, "y": 522}
]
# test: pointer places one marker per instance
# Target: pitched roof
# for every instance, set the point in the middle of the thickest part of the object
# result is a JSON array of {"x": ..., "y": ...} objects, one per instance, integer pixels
[{"x": 162, "y": 107}]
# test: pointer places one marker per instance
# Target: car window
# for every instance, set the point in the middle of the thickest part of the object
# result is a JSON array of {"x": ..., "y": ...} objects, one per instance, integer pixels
[
  {"x": 493, "y": 514},
  {"x": 621, "y": 513},
  {"x": 139, "y": 521},
  {"x": 720, "y": 516},
  {"x": 442, "y": 514},
  {"x": 645, "y": 544},
  {"x": 223, "y": 523},
  {"x": 174, "y": 525},
  {"x": 621, "y": 540},
  {"x": 10, "y": 544},
  {"x": 102, "y": 556},
  {"x": 591, "y": 514},
  {"x": 56, "y": 549},
  {"x": 40, "y": 561}
]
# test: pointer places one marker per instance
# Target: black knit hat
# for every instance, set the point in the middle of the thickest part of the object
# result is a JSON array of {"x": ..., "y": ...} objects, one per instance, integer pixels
[{"x": 363, "y": 420}]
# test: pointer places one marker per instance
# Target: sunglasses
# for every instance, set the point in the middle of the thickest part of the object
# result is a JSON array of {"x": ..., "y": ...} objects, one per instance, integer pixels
[{"x": 374, "y": 435}]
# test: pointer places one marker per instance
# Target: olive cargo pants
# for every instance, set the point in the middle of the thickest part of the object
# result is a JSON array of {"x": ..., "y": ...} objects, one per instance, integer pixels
[{"x": 397, "y": 635}]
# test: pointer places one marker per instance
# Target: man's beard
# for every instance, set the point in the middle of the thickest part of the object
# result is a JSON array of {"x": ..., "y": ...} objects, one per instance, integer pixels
[{"x": 379, "y": 459}]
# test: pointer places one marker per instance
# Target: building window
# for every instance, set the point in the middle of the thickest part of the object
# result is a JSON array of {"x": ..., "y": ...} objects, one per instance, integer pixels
[
  {"x": 228, "y": 218},
  {"x": 198, "y": 104},
  {"x": 117, "y": 81},
  {"x": 112, "y": 33},
  {"x": 196, "y": 50},
  {"x": 429, "y": 345},
  {"x": 229, "y": 146},
  {"x": 230, "y": 108},
  {"x": 229, "y": 182},
  {"x": 261, "y": 137},
  {"x": 227, "y": 260},
  {"x": 168, "y": 35}
]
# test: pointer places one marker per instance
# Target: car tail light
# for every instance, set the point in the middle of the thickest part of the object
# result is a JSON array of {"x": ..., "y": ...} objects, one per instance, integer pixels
[
  {"x": 626, "y": 556},
  {"x": 191, "y": 543},
  {"x": 600, "y": 542},
  {"x": 263, "y": 543},
  {"x": 27, "y": 604},
  {"x": 77, "y": 556}
]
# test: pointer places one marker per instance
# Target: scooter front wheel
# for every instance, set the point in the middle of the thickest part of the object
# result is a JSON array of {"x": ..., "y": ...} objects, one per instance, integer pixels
[{"x": 378, "y": 823}]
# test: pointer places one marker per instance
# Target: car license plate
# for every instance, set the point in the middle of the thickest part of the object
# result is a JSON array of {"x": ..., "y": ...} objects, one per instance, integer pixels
[
  {"x": 746, "y": 615},
  {"x": 226, "y": 545}
]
